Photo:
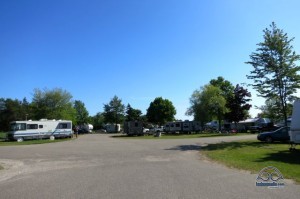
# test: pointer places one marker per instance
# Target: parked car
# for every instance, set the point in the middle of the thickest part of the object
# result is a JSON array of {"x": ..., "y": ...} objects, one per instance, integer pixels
[
  {"x": 281, "y": 134},
  {"x": 83, "y": 131}
]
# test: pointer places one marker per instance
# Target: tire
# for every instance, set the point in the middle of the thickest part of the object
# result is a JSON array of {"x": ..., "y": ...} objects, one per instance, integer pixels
[
  {"x": 269, "y": 140},
  {"x": 20, "y": 139},
  {"x": 52, "y": 137}
]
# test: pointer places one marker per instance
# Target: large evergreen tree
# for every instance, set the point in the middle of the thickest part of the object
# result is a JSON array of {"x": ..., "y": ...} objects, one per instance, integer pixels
[
  {"x": 132, "y": 114},
  {"x": 114, "y": 111},
  {"x": 12, "y": 110},
  {"x": 275, "y": 72}
]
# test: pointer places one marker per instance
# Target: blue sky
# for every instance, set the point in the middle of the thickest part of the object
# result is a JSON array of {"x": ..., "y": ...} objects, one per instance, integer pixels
[{"x": 135, "y": 49}]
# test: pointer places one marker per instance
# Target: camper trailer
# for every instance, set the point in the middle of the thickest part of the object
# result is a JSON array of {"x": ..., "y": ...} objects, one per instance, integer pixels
[
  {"x": 113, "y": 128},
  {"x": 86, "y": 128},
  {"x": 295, "y": 125},
  {"x": 182, "y": 126},
  {"x": 42, "y": 129},
  {"x": 133, "y": 128}
]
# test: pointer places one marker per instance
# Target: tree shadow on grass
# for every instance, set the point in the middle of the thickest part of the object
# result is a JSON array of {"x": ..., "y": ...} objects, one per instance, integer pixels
[
  {"x": 232, "y": 145},
  {"x": 290, "y": 157},
  {"x": 211, "y": 147},
  {"x": 238, "y": 145},
  {"x": 275, "y": 152}
]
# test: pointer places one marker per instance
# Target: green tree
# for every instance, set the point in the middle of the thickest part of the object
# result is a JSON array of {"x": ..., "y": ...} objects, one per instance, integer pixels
[
  {"x": 114, "y": 111},
  {"x": 238, "y": 105},
  {"x": 82, "y": 115},
  {"x": 161, "y": 111},
  {"x": 215, "y": 102},
  {"x": 198, "y": 108},
  {"x": 208, "y": 103},
  {"x": 271, "y": 110},
  {"x": 12, "y": 110},
  {"x": 275, "y": 72},
  {"x": 53, "y": 104},
  {"x": 98, "y": 121},
  {"x": 225, "y": 86},
  {"x": 132, "y": 114}
]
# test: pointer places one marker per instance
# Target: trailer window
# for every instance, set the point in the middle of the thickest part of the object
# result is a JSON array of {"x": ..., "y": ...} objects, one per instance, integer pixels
[
  {"x": 63, "y": 126},
  {"x": 177, "y": 125},
  {"x": 18, "y": 127},
  {"x": 41, "y": 126},
  {"x": 32, "y": 126}
]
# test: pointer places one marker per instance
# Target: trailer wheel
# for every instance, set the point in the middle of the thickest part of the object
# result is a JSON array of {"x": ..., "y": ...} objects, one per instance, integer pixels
[
  {"x": 20, "y": 139},
  {"x": 52, "y": 137}
]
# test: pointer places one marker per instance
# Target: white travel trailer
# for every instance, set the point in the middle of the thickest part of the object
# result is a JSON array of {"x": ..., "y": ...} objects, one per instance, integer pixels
[
  {"x": 295, "y": 125},
  {"x": 90, "y": 127},
  {"x": 86, "y": 128},
  {"x": 113, "y": 128},
  {"x": 173, "y": 127},
  {"x": 24, "y": 130}
]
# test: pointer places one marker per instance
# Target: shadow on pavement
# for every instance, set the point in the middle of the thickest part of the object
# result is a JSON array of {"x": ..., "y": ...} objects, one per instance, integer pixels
[{"x": 186, "y": 148}]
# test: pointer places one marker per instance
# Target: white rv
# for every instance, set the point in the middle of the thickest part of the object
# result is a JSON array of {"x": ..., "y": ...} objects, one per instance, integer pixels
[
  {"x": 295, "y": 125},
  {"x": 23, "y": 130}
]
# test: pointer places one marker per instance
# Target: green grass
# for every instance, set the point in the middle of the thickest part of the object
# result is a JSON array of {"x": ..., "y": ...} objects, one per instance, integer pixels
[
  {"x": 255, "y": 155},
  {"x": 177, "y": 136},
  {"x": 27, "y": 142}
]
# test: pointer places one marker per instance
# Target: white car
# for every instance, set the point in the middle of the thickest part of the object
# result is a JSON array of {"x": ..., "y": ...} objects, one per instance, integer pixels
[{"x": 157, "y": 129}]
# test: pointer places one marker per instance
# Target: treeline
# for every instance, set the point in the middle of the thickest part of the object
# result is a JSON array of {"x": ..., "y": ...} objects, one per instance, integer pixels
[
  {"x": 58, "y": 104},
  {"x": 217, "y": 100}
]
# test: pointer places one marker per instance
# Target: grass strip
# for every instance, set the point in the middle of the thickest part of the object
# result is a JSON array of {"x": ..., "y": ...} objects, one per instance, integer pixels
[{"x": 255, "y": 155}]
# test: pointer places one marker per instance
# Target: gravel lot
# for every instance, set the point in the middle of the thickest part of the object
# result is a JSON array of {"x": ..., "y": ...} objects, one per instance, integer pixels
[{"x": 98, "y": 166}]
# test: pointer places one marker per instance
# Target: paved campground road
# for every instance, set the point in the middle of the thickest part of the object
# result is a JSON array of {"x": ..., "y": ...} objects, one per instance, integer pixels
[{"x": 98, "y": 166}]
